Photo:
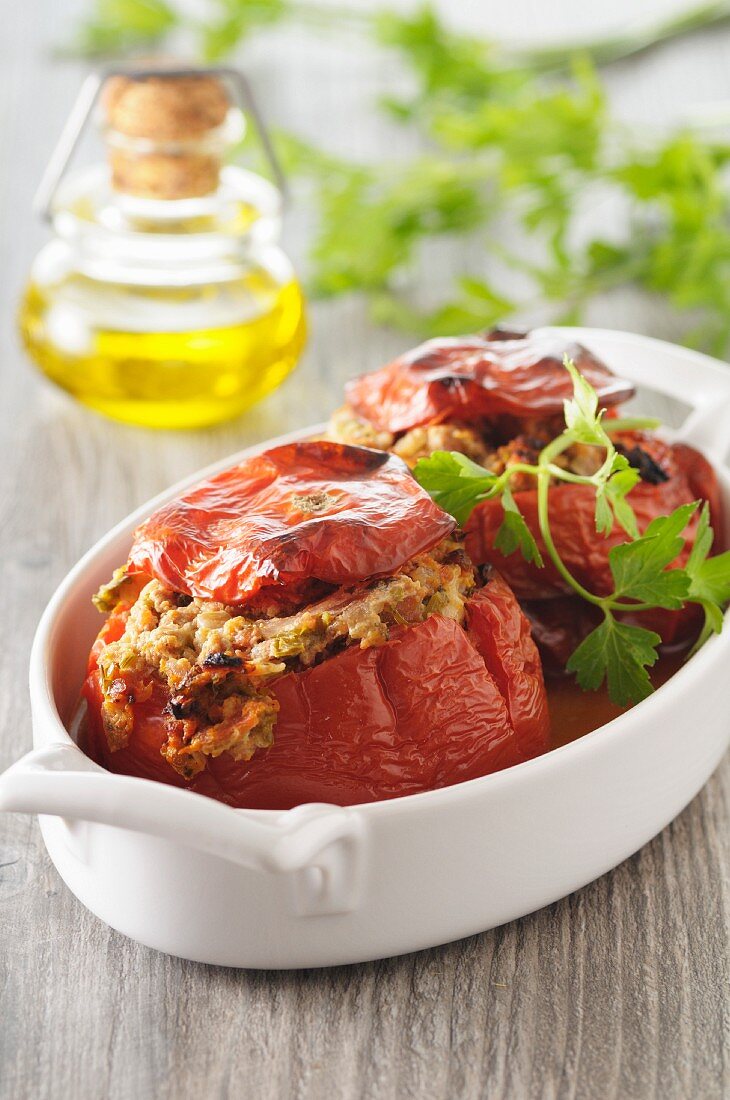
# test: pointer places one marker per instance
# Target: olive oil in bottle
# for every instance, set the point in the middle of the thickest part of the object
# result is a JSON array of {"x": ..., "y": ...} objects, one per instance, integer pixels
[{"x": 164, "y": 299}]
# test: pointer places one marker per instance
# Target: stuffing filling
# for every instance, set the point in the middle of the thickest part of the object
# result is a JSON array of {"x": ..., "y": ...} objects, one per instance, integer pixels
[
  {"x": 218, "y": 663},
  {"x": 422, "y": 442},
  {"x": 494, "y": 446},
  {"x": 346, "y": 426}
]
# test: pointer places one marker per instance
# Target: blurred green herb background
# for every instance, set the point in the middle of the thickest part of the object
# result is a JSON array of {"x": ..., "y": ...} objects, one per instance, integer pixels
[{"x": 517, "y": 139}]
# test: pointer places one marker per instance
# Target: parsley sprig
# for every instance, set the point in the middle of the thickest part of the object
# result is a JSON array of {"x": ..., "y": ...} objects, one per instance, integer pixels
[
  {"x": 643, "y": 579},
  {"x": 510, "y": 148}
]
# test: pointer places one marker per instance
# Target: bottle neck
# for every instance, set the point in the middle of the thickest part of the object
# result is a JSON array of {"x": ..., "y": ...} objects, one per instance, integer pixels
[{"x": 141, "y": 238}]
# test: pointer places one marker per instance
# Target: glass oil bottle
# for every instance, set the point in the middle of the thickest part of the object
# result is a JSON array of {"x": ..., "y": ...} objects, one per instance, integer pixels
[{"x": 164, "y": 298}]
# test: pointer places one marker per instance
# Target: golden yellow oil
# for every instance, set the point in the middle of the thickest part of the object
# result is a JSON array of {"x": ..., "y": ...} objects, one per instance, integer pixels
[{"x": 103, "y": 345}]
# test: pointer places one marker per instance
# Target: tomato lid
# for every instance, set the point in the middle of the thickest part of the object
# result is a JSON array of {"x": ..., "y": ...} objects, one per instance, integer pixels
[
  {"x": 305, "y": 510},
  {"x": 472, "y": 378}
]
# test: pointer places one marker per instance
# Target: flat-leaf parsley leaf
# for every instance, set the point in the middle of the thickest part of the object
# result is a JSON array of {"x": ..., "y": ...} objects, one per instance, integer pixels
[{"x": 643, "y": 568}]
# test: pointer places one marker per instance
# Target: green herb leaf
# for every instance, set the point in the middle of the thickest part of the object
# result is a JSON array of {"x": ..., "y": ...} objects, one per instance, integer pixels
[
  {"x": 703, "y": 541},
  {"x": 477, "y": 306},
  {"x": 604, "y": 513},
  {"x": 712, "y": 624},
  {"x": 455, "y": 482},
  {"x": 582, "y": 418},
  {"x": 611, "y": 502},
  {"x": 119, "y": 26},
  {"x": 639, "y": 568},
  {"x": 514, "y": 534},
  {"x": 509, "y": 142},
  {"x": 631, "y": 424},
  {"x": 709, "y": 578},
  {"x": 620, "y": 654}
]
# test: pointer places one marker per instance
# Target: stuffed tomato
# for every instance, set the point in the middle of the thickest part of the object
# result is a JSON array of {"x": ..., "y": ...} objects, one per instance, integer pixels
[
  {"x": 308, "y": 627},
  {"x": 470, "y": 393},
  {"x": 499, "y": 400}
]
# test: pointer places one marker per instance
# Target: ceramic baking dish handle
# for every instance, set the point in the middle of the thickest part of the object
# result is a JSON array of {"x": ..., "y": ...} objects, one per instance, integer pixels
[
  {"x": 708, "y": 427},
  {"x": 322, "y": 846}
]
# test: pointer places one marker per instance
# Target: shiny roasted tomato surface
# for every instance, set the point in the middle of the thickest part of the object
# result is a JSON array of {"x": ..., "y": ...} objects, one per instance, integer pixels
[
  {"x": 690, "y": 477},
  {"x": 476, "y": 378},
  {"x": 302, "y": 512},
  {"x": 434, "y": 705}
]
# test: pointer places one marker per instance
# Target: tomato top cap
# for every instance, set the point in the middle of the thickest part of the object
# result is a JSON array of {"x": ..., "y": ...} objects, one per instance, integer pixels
[
  {"x": 475, "y": 378},
  {"x": 313, "y": 510}
]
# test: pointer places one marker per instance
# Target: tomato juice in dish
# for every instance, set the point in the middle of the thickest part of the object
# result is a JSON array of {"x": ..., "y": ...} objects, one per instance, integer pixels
[{"x": 574, "y": 712}]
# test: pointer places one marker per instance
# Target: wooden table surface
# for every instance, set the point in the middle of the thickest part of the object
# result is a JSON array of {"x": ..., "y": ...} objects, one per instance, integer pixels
[{"x": 620, "y": 990}]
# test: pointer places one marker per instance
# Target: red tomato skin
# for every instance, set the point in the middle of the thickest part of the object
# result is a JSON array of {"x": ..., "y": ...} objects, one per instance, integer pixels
[
  {"x": 250, "y": 526},
  {"x": 703, "y": 485},
  {"x": 585, "y": 553},
  {"x": 422, "y": 711},
  {"x": 473, "y": 378},
  {"x": 111, "y": 631},
  {"x": 501, "y": 632}
]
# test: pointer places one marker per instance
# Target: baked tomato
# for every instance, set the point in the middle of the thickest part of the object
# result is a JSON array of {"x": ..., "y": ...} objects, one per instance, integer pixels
[
  {"x": 475, "y": 378},
  {"x": 434, "y": 705},
  {"x": 685, "y": 476},
  {"x": 302, "y": 512}
]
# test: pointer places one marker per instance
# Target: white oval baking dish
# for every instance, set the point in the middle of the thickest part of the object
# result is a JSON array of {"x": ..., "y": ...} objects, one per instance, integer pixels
[{"x": 322, "y": 885}]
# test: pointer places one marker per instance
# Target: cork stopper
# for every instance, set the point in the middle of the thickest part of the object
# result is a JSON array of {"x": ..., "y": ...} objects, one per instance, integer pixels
[{"x": 161, "y": 134}]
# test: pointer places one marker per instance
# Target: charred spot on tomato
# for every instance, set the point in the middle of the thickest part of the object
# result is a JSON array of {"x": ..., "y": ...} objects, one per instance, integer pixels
[
  {"x": 534, "y": 442},
  {"x": 188, "y": 769},
  {"x": 223, "y": 660},
  {"x": 451, "y": 382},
  {"x": 339, "y": 457},
  {"x": 649, "y": 469},
  {"x": 365, "y": 459},
  {"x": 459, "y": 556},
  {"x": 526, "y": 450},
  {"x": 502, "y": 332},
  {"x": 484, "y": 573},
  {"x": 178, "y": 708}
]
